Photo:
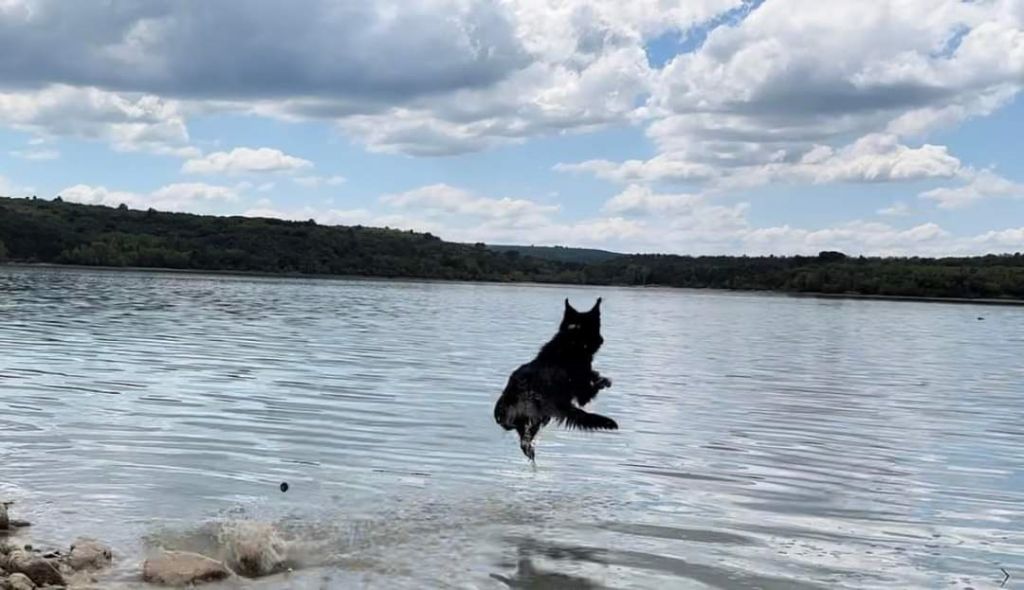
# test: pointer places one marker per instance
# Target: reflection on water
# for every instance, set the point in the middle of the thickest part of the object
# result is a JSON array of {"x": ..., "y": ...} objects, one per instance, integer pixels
[{"x": 766, "y": 442}]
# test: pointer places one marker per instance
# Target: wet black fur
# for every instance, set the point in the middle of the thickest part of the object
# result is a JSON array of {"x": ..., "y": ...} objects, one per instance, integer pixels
[{"x": 558, "y": 383}]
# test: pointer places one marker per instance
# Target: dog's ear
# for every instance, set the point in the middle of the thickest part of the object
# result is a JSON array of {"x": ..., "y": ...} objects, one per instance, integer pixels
[
  {"x": 569, "y": 309},
  {"x": 597, "y": 306}
]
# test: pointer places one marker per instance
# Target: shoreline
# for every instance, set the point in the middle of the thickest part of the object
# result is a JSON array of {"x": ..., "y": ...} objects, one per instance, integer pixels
[
  {"x": 273, "y": 275},
  {"x": 256, "y": 551}
]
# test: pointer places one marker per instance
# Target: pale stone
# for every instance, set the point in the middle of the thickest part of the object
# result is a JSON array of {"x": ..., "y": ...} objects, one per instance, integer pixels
[
  {"x": 89, "y": 554},
  {"x": 20, "y": 582},
  {"x": 180, "y": 568}
]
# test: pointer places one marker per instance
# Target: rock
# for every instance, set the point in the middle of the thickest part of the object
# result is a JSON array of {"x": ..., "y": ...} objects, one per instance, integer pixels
[
  {"x": 89, "y": 554},
  {"x": 41, "y": 571},
  {"x": 253, "y": 549},
  {"x": 19, "y": 582},
  {"x": 6, "y": 522},
  {"x": 181, "y": 568}
]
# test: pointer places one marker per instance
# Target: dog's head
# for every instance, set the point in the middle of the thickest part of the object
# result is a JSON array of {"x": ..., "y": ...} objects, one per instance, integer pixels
[{"x": 582, "y": 329}]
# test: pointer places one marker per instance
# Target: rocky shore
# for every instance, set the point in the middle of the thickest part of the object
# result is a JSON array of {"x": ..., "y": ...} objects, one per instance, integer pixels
[{"x": 80, "y": 567}]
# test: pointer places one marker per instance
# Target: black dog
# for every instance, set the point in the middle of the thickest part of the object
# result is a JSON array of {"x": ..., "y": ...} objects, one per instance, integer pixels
[{"x": 560, "y": 375}]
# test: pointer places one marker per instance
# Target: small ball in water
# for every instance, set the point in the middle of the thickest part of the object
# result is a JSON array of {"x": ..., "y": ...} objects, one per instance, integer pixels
[{"x": 284, "y": 486}]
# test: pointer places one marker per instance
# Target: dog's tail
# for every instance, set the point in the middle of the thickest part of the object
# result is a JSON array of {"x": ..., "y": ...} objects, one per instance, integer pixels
[{"x": 583, "y": 420}]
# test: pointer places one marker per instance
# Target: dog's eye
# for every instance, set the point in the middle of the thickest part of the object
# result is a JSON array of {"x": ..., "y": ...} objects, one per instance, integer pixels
[{"x": 574, "y": 326}]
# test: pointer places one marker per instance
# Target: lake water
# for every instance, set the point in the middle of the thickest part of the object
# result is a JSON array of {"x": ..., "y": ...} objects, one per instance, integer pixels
[{"x": 765, "y": 442}]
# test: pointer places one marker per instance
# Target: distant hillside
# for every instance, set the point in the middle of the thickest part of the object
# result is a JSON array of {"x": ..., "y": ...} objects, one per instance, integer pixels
[
  {"x": 37, "y": 230},
  {"x": 560, "y": 253}
]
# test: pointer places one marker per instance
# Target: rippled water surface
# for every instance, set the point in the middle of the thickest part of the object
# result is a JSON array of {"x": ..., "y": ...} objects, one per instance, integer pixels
[{"x": 765, "y": 442}]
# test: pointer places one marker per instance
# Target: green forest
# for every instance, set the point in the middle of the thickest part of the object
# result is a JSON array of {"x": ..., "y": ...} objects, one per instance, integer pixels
[{"x": 43, "y": 231}]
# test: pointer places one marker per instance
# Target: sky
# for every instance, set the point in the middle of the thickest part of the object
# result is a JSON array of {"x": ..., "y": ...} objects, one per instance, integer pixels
[{"x": 691, "y": 126}]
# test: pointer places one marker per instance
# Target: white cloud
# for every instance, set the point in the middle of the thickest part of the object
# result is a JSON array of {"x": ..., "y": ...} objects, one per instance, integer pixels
[
  {"x": 36, "y": 154},
  {"x": 126, "y": 122},
  {"x": 322, "y": 216},
  {"x": 897, "y": 209},
  {"x": 10, "y": 189},
  {"x": 795, "y": 64},
  {"x": 798, "y": 78},
  {"x": 586, "y": 68},
  {"x": 445, "y": 199},
  {"x": 763, "y": 88},
  {"x": 856, "y": 237},
  {"x": 661, "y": 168},
  {"x": 264, "y": 187},
  {"x": 188, "y": 196},
  {"x": 603, "y": 232},
  {"x": 643, "y": 200},
  {"x": 375, "y": 49},
  {"x": 319, "y": 181},
  {"x": 800, "y": 92},
  {"x": 459, "y": 215},
  {"x": 245, "y": 161},
  {"x": 1007, "y": 240},
  {"x": 637, "y": 219},
  {"x": 979, "y": 185},
  {"x": 873, "y": 158},
  {"x": 641, "y": 220}
]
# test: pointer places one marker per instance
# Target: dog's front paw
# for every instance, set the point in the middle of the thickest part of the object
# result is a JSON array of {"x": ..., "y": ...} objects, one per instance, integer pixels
[{"x": 603, "y": 383}]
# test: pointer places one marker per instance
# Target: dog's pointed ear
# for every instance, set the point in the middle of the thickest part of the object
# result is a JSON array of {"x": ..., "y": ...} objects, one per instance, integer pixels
[
  {"x": 568, "y": 307},
  {"x": 597, "y": 306}
]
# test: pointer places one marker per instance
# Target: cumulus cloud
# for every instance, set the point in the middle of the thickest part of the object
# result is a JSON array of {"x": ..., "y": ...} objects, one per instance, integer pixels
[
  {"x": 603, "y": 231},
  {"x": 897, "y": 209},
  {"x": 262, "y": 187},
  {"x": 461, "y": 215},
  {"x": 442, "y": 77},
  {"x": 661, "y": 168},
  {"x": 10, "y": 189},
  {"x": 778, "y": 95},
  {"x": 979, "y": 185},
  {"x": 585, "y": 67},
  {"x": 640, "y": 220},
  {"x": 807, "y": 67},
  {"x": 643, "y": 200},
  {"x": 128, "y": 123},
  {"x": 544, "y": 98},
  {"x": 36, "y": 154},
  {"x": 446, "y": 199},
  {"x": 245, "y": 161},
  {"x": 173, "y": 197},
  {"x": 318, "y": 181},
  {"x": 636, "y": 219},
  {"x": 696, "y": 224},
  {"x": 876, "y": 157},
  {"x": 323, "y": 216},
  {"x": 1006, "y": 240},
  {"x": 853, "y": 237},
  {"x": 785, "y": 91},
  {"x": 429, "y": 77},
  {"x": 260, "y": 48}
]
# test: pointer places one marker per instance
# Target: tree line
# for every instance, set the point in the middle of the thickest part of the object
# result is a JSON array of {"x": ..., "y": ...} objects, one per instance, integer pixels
[{"x": 38, "y": 230}]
